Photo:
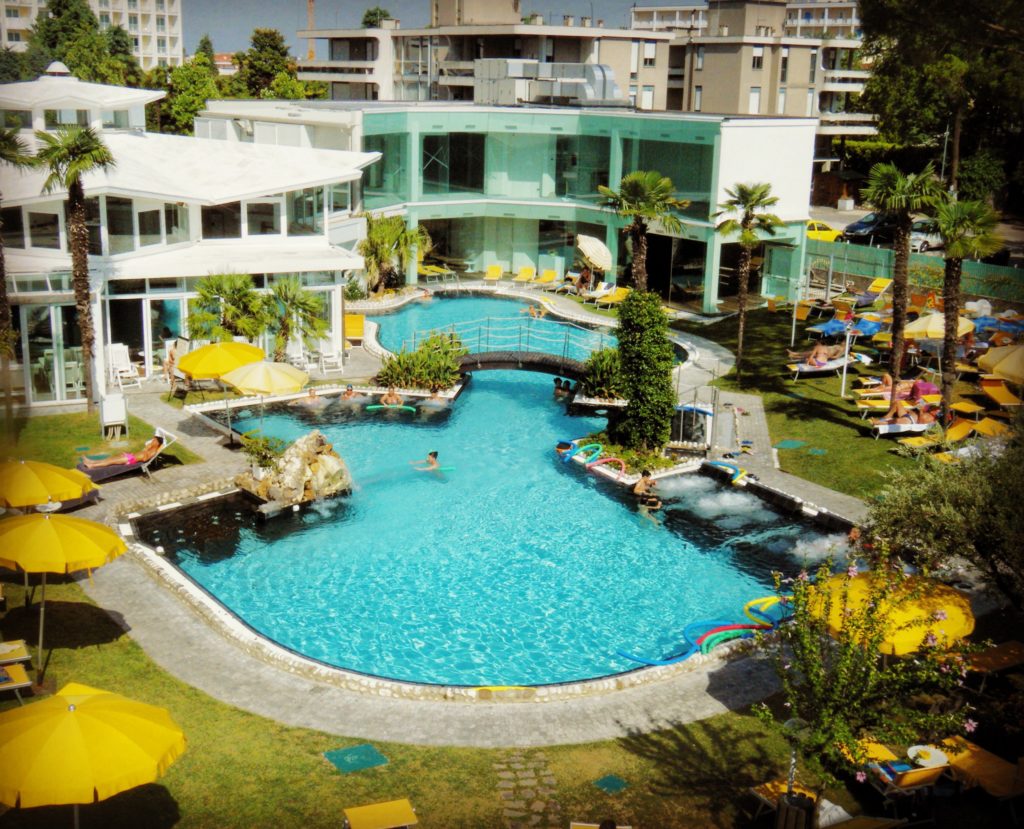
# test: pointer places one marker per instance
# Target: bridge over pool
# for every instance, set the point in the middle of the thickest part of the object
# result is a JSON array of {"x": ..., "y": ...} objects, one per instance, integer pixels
[{"x": 541, "y": 361}]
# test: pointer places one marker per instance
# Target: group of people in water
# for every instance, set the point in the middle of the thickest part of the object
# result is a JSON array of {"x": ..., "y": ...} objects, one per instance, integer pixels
[{"x": 563, "y": 388}]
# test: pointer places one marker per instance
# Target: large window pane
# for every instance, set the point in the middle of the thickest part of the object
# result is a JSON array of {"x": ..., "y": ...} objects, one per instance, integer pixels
[
  {"x": 120, "y": 229},
  {"x": 453, "y": 163},
  {"x": 13, "y": 229},
  {"x": 264, "y": 218},
  {"x": 223, "y": 221},
  {"x": 688, "y": 165},
  {"x": 66, "y": 117},
  {"x": 176, "y": 221},
  {"x": 341, "y": 196},
  {"x": 16, "y": 119},
  {"x": 387, "y": 181},
  {"x": 149, "y": 227},
  {"x": 306, "y": 212},
  {"x": 115, "y": 119},
  {"x": 44, "y": 230}
]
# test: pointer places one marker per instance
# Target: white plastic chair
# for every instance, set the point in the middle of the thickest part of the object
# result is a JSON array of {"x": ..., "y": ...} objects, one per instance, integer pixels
[
  {"x": 331, "y": 358},
  {"x": 121, "y": 367}
]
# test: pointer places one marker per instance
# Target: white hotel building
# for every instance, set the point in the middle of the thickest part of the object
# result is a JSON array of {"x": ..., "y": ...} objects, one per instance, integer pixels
[{"x": 172, "y": 210}]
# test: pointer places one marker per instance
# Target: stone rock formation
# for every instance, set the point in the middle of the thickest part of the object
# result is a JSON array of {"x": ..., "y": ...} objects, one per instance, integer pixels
[{"x": 309, "y": 469}]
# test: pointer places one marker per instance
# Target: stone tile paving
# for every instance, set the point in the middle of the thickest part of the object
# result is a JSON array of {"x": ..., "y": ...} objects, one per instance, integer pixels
[{"x": 527, "y": 790}]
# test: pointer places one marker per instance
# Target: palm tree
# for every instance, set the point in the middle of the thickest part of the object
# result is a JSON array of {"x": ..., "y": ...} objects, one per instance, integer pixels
[
  {"x": 69, "y": 154},
  {"x": 294, "y": 311},
  {"x": 13, "y": 154},
  {"x": 968, "y": 232},
  {"x": 749, "y": 201},
  {"x": 387, "y": 248},
  {"x": 890, "y": 191},
  {"x": 644, "y": 196},
  {"x": 227, "y": 306}
]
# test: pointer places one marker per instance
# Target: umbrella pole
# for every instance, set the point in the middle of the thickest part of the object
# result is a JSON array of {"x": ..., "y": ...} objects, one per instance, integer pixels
[
  {"x": 76, "y": 816},
  {"x": 42, "y": 619},
  {"x": 261, "y": 414},
  {"x": 227, "y": 409}
]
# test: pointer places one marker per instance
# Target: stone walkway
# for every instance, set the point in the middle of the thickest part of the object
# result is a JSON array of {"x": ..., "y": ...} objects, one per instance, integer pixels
[{"x": 527, "y": 789}]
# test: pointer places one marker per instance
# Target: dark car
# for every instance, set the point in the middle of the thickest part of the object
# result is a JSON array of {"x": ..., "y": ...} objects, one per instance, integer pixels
[{"x": 873, "y": 229}]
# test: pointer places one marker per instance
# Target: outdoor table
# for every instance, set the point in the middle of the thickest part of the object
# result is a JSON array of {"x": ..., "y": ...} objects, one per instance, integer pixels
[
  {"x": 16, "y": 680},
  {"x": 927, "y": 756},
  {"x": 394, "y": 814}
]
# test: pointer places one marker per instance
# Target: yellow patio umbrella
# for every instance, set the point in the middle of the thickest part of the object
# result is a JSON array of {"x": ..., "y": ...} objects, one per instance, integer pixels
[
  {"x": 44, "y": 544},
  {"x": 1006, "y": 361},
  {"x": 30, "y": 483},
  {"x": 933, "y": 327},
  {"x": 917, "y": 608},
  {"x": 213, "y": 361},
  {"x": 595, "y": 251},
  {"x": 83, "y": 745},
  {"x": 265, "y": 378}
]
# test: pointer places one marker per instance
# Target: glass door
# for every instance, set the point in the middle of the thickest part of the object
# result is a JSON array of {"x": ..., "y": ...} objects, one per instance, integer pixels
[{"x": 52, "y": 347}]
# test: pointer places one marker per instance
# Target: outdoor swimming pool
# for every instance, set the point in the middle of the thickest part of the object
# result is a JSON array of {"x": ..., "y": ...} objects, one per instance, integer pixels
[{"x": 513, "y": 568}]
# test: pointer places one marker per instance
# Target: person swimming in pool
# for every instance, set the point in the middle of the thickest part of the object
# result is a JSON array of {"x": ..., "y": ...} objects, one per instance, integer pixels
[
  {"x": 148, "y": 452},
  {"x": 310, "y": 400},
  {"x": 391, "y": 397},
  {"x": 644, "y": 491},
  {"x": 431, "y": 463},
  {"x": 349, "y": 393}
]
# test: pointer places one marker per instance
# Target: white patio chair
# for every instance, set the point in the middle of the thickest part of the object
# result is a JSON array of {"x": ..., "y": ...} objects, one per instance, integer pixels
[
  {"x": 331, "y": 358},
  {"x": 124, "y": 372}
]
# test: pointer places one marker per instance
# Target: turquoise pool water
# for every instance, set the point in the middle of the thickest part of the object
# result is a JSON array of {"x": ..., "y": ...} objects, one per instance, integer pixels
[
  {"x": 490, "y": 324},
  {"x": 514, "y": 568}
]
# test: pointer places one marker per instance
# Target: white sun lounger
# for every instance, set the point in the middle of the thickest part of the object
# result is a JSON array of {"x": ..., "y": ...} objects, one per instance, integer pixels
[{"x": 901, "y": 428}]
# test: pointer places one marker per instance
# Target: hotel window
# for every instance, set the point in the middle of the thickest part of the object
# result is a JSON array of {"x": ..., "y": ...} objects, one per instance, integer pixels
[
  {"x": 44, "y": 230},
  {"x": 15, "y": 119},
  {"x": 104, "y": 20},
  {"x": 161, "y": 24},
  {"x": 161, "y": 45},
  {"x": 133, "y": 5},
  {"x": 650, "y": 51},
  {"x": 784, "y": 65},
  {"x": 263, "y": 218},
  {"x": 135, "y": 44},
  {"x": 647, "y": 97},
  {"x": 814, "y": 66},
  {"x": 12, "y": 13},
  {"x": 13, "y": 37},
  {"x": 754, "y": 104},
  {"x": 120, "y": 225},
  {"x": 149, "y": 227},
  {"x": 133, "y": 22},
  {"x": 698, "y": 98},
  {"x": 223, "y": 221},
  {"x": 780, "y": 106},
  {"x": 632, "y": 95},
  {"x": 758, "y": 61},
  {"x": 305, "y": 211},
  {"x": 13, "y": 230},
  {"x": 700, "y": 57},
  {"x": 341, "y": 196},
  {"x": 115, "y": 119},
  {"x": 176, "y": 223},
  {"x": 54, "y": 118},
  {"x": 160, "y": 5},
  {"x": 104, "y": 4},
  {"x": 810, "y": 102}
]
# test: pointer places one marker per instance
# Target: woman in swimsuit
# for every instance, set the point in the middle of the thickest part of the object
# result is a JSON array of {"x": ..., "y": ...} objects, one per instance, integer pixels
[{"x": 148, "y": 452}]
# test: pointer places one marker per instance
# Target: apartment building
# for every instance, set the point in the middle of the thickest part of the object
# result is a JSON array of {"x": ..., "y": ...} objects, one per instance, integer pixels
[
  {"x": 155, "y": 26},
  {"x": 437, "y": 62}
]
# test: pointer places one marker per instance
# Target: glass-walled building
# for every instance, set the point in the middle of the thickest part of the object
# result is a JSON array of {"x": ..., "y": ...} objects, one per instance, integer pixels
[
  {"x": 172, "y": 210},
  {"x": 513, "y": 186}
]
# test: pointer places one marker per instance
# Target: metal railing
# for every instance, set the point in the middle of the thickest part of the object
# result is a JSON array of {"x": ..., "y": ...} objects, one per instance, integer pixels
[{"x": 565, "y": 339}]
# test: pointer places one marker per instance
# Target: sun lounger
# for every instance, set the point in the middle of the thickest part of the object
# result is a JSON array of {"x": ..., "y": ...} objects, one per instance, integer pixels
[
  {"x": 958, "y": 431},
  {"x": 105, "y": 473},
  {"x": 16, "y": 679},
  {"x": 891, "y": 783},
  {"x": 526, "y": 274},
  {"x": 546, "y": 280},
  {"x": 887, "y": 429},
  {"x": 872, "y": 292},
  {"x": 13, "y": 651},
  {"x": 355, "y": 327},
  {"x": 614, "y": 298},
  {"x": 997, "y": 390},
  {"x": 395, "y": 814},
  {"x": 973, "y": 766},
  {"x": 603, "y": 289},
  {"x": 577, "y": 825},
  {"x": 494, "y": 273},
  {"x": 835, "y": 365},
  {"x": 768, "y": 794}
]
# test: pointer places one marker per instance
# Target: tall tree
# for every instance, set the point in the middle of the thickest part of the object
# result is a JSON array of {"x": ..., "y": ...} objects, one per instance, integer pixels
[
  {"x": 388, "y": 248},
  {"x": 205, "y": 47},
  {"x": 121, "y": 51},
  {"x": 749, "y": 202},
  {"x": 227, "y": 305},
  {"x": 10, "y": 65},
  {"x": 263, "y": 60},
  {"x": 192, "y": 85},
  {"x": 159, "y": 77},
  {"x": 968, "y": 232},
  {"x": 902, "y": 195},
  {"x": 644, "y": 196},
  {"x": 68, "y": 155},
  {"x": 645, "y": 359},
  {"x": 12, "y": 154},
  {"x": 373, "y": 17},
  {"x": 60, "y": 24},
  {"x": 294, "y": 313}
]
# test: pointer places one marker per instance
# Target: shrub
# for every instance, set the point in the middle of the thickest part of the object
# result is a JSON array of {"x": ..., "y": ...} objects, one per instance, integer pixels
[
  {"x": 982, "y": 176},
  {"x": 354, "y": 291},
  {"x": 435, "y": 364},
  {"x": 261, "y": 450},
  {"x": 636, "y": 460},
  {"x": 603, "y": 374},
  {"x": 646, "y": 358}
]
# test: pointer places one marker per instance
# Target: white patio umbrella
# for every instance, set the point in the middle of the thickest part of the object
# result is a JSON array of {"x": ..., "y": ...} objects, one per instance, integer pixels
[{"x": 595, "y": 252}]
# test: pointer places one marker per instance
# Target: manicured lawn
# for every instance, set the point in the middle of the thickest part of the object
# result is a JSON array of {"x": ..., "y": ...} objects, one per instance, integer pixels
[
  {"x": 61, "y": 439},
  {"x": 808, "y": 410}
]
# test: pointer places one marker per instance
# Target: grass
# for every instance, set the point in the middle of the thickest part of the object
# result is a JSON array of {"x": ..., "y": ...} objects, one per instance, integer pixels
[
  {"x": 808, "y": 410},
  {"x": 61, "y": 439}
]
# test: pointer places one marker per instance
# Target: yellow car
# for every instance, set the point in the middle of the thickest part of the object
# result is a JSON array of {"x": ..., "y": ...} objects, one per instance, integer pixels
[{"x": 822, "y": 232}]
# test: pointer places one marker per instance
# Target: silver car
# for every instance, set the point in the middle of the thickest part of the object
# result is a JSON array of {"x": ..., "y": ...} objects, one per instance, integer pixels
[{"x": 925, "y": 236}]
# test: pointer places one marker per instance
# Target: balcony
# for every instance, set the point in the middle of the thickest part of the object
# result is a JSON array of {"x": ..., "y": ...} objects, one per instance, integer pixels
[
  {"x": 844, "y": 80},
  {"x": 337, "y": 70},
  {"x": 846, "y": 123}
]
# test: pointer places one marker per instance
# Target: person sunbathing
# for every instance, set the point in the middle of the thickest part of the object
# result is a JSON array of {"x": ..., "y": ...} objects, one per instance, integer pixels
[
  {"x": 904, "y": 413},
  {"x": 834, "y": 352},
  {"x": 148, "y": 452},
  {"x": 818, "y": 356}
]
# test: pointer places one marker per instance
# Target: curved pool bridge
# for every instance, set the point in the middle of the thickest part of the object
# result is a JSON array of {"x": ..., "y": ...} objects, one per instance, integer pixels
[{"x": 554, "y": 364}]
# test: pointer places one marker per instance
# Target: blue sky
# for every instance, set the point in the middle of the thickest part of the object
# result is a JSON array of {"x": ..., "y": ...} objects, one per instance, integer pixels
[{"x": 230, "y": 22}]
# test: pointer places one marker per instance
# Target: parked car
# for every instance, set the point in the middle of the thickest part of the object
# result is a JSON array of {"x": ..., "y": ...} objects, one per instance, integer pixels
[
  {"x": 873, "y": 229},
  {"x": 925, "y": 236},
  {"x": 822, "y": 232}
]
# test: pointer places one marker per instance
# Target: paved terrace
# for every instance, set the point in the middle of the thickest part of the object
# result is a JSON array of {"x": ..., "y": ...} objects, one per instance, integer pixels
[{"x": 186, "y": 646}]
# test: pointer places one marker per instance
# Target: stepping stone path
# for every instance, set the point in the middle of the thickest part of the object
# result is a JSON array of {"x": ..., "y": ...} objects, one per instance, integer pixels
[{"x": 527, "y": 789}]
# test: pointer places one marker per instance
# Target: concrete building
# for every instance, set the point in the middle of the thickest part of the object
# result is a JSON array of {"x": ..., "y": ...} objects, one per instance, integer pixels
[
  {"x": 155, "y": 26},
  {"x": 513, "y": 186},
  {"x": 172, "y": 210}
]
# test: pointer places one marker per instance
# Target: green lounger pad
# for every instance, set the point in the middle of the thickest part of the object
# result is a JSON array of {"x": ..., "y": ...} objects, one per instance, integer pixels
[
  {"x": 357, "y": 758},
  {"x": 790, "y": 444},
  {"x": 99, "y": 457},
  {"x": 611, "y": 784},
  {"x": 816, "y": 451}
]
